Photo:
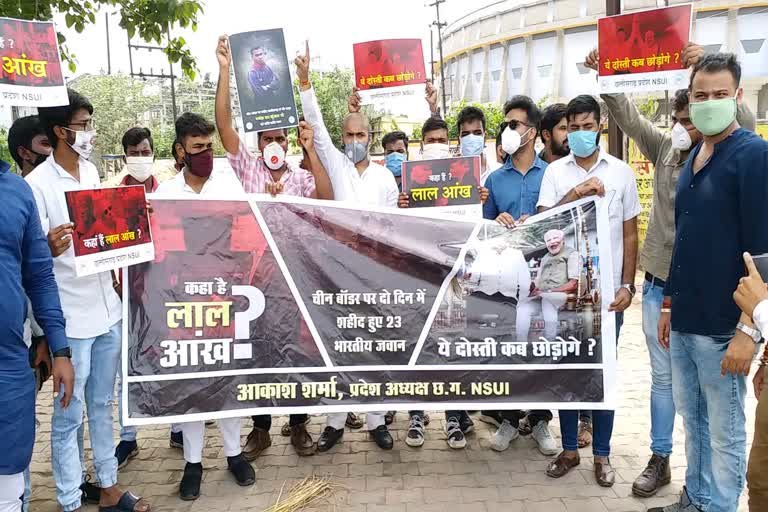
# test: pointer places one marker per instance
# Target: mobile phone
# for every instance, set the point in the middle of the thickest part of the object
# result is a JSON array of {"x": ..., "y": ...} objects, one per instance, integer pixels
[{"x": 761, "y": 263}]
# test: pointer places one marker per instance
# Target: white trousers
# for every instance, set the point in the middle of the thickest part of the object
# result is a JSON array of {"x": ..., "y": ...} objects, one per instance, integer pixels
[
  {"x": 11, "y": 491},
  {"x": 194, "y": 438},
  {"x": 338, "y": 419},
  {"x": 551, "y": 302}
]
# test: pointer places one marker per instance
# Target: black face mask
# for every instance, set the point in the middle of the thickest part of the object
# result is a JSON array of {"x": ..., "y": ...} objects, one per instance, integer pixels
[{"x": 39, "y": 157}]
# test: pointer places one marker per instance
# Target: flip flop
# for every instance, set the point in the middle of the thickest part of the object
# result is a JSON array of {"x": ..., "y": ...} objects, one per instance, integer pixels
[{"x": 127, "y": 503}]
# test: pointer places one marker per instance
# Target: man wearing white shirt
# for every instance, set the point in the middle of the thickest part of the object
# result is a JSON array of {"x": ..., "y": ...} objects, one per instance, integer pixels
[
  {"x": 355, "y": 179},
  {"x": 585, "y": 172},
  {"x": 752, "y": 298},
  {"x": 194, "y": 142},
  {"x": 91, "y": 308}
]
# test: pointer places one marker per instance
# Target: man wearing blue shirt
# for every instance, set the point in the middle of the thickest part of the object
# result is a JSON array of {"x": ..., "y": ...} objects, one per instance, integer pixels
[
  {"x": 720, "y": 202},
  {"x": 513, "y": 190},
  {"x": 27, "y": 268}
]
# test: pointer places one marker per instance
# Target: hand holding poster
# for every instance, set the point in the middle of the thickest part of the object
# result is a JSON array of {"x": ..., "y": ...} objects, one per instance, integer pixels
[
  {"x": 263, "y": 79},
  {"x": 388, "y": 63},
  {"x": 30, "y": 65},
  {"x": 111, "y": 228},
  {"x": 276, "y": 306},
  {"x": 452, "y": 184},
  {"x": 642, "y": 51}
]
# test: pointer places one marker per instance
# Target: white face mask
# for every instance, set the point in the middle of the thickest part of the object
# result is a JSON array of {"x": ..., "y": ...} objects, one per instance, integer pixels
[
  {"x": 435, "y": 151},
  {"x": 140, "y": 167},
  {"x": 83, "y": 145},
  {"x": 511, "y": 140},
  {"x": 274, "y": 156},
  {"x": 681, "y": 139}
]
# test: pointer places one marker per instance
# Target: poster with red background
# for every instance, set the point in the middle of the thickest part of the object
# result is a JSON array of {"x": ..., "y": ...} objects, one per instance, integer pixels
[
  {"x": 643, "y": 50},
  {"x": 388, "y": 63},
  {"x": 30, "y": 64},
  {"x": 111, "y": 230}
]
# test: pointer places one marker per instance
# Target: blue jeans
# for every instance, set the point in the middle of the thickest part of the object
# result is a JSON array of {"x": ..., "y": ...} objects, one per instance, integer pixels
[
  {"x": 602, "y": 421},
  {"x": 715, "y": 447},
  {"x": 95, "y": 361},
  {"x": 127, "y": 433},
  {"x": 662, "y": 405}
]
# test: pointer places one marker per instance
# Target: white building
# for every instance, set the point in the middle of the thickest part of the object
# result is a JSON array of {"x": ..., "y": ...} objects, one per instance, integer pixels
[{"x": 537, "y": 47}]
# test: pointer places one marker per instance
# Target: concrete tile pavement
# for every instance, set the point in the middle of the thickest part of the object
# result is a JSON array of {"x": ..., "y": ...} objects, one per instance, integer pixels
[{"x": 431, "y": 478}]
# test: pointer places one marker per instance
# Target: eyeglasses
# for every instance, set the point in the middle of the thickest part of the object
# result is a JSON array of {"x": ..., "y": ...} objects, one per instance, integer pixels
[
  {"x": 86, "y": 125},
  {"x": 513, "y": 124}
]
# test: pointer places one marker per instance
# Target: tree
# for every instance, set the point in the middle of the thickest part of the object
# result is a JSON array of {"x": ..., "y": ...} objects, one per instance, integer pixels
[
  {"x": 5, "y": 153},
  {"x": 149, "y": 19},
  {"x": 119, "y": 103}
]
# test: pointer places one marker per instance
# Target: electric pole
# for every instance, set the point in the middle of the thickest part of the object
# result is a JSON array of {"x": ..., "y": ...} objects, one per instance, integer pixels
[
  {"x": 162, "y": 75},
  {"x": 432, "y": 53},
  {"x": 615, "y": 135},
  {"x": 440, "y": 26}
]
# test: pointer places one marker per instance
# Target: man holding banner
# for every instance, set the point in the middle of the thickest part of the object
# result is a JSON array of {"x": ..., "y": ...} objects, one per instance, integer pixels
[{"x": 355, "y": 179}]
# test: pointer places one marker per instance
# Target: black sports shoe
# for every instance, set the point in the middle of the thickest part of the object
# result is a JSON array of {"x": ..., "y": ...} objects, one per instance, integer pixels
[
  {"x": 91, "y": 492},
  {"x": 189, "y": 488},
  {"x": 328, "y": 439},
  {"x": 382, "y": 437},
  {"x": 177, "y": 440},
  {"x": 242, "y": 470},
  {"x": 125, "y": 451}
]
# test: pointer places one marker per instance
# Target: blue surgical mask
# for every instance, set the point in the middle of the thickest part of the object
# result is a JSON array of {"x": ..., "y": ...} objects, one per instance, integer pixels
[
  {"x": 583, "y": 143},
  {"x": 394, "y": 163},
  {"x": 472, "y": 145}
]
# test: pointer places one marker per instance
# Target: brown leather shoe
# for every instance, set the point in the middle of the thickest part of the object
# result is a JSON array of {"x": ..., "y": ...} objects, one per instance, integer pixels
[
  {"x": 585, "y": 434},
  {"x": 354, "y": 421},
  {"x": 258, "y": 441},
  {"x": 301, "y": 440},
  {"x": 656, "y": 475},
  {"x": 604, "y": 474},
  {"x": 562, "y": 465}
]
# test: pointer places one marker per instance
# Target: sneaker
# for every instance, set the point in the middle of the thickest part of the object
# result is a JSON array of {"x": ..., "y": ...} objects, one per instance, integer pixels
[
  {"x": 177, "y": 440},
  {"x": 466, "y": 424},
  {"x": 125, "y": 451},
  {"x": 258, "y": 441},
  {"x": 91, "y": 492},
  {"x": 491, "y": 417},
  {"x": 456, "y": 439},
  {"x": 189, "y": 488},
  {"x": 684, "y": 505},
  {"x": 242, "y": 470},
  {"x": 656, "y": 475},
  {"x": 544, "y": 438},
  {"x": 415, "y": 435},
  {"x": 503, "y": 436}
]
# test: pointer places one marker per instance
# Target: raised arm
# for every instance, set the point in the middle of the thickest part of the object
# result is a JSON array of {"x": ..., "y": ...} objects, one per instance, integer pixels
[
  {"x": 229, "y": 137},
  {"x": 332, "y": 158},
  {"x": 323, "y": 187}
]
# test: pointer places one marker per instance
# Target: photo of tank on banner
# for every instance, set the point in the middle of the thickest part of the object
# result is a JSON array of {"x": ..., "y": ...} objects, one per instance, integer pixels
[{"x": 278, "y": 306}]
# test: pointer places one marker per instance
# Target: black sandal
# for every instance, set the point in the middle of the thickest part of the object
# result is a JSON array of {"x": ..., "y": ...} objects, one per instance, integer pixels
[{"x": 127, "y": 503}]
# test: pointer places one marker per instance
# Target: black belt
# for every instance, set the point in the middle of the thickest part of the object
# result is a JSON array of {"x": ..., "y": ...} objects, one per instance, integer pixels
[{"x": 655, "y": 281}]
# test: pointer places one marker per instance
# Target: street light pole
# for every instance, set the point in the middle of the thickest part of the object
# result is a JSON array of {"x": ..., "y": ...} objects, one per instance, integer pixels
[
  {"x": 615, "y": 135},
  {"x": 109, "y": 58},
  {"x": 440, "y": 26}
]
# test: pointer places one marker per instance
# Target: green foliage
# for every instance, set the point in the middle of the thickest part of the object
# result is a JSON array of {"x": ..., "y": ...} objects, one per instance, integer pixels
[
  {"x": 119, "y": 103},
  {"x": 494, "y": 115},
  {"x": 332, "y": 89},
  {"x": 647, "y": 106},
  {"x": 147, "y": 19},
  {"x": 5, "y": 153}
]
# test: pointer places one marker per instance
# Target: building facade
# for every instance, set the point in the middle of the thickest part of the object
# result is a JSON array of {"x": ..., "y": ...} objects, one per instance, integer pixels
[{"x": 538, "y": 47}]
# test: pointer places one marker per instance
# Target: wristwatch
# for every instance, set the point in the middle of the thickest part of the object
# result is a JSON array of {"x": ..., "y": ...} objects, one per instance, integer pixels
[
  {"x": 63, "y": 352},
  {"x": 630, "y": 288},
  {"x": 753, "y": 333}
]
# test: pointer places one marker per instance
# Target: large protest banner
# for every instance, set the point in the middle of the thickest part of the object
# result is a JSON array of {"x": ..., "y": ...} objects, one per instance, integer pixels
[
  {"x": 30, "y": 69},
  {"x": 263, "y": 79},
  {"x": 642, "y": 51},
  {"x": 389, "y": 69},
  {"x": 274, "y": 306},
  {"x": 450, "y": 184},
  {"x": 111, "y": 230}
]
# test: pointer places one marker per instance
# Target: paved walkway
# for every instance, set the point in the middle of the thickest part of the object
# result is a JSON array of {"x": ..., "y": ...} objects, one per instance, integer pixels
[{"x": 433, "y": 478}]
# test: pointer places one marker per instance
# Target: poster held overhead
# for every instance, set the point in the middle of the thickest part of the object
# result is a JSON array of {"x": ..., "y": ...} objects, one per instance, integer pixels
[
  {"x": 395, "y": 65},
  {"x": 263, "y": 79},
  {"x": 30, "y": 64},
  {"x": 642, "y": 51}
]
